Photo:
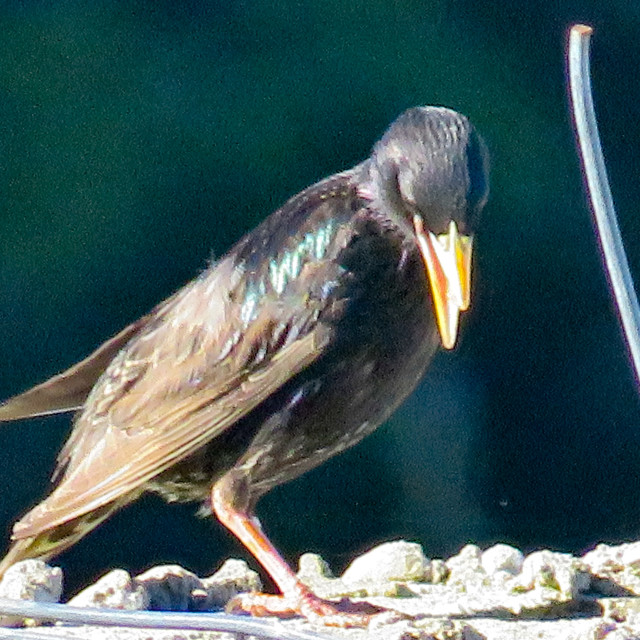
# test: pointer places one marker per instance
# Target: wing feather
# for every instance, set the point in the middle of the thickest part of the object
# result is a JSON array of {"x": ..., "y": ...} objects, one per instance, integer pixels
[
  {"x": 183, "y": 428},
  {"x": 207, "y": 357},
  {"x": 67, "y": 391}
]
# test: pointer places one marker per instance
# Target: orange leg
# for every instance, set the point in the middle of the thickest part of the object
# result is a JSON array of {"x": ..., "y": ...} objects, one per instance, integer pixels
[{"x": 296, "y": 598}]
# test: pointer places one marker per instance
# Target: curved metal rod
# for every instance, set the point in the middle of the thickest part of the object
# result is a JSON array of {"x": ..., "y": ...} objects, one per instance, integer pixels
[
  {"x": 143, "y": 619},
  {"x": 600, "y": 192}
]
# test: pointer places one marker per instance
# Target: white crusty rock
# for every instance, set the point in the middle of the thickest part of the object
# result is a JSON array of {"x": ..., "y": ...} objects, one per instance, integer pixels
[
  {"x": 32, "y": 580},
  {"x": 172, "y": 588},
  {"x": 490, "y": 595},
  {"x": 115, "y": 590},
  {"x": 233, "y": 577},
  {"x": 631, "y": 555},
  {"x": 424, "y": 628},
  {"x": 437, "y": 572},
  {"x": 313, "y": 567},
  {"x": 615, "y": 569},
  {"x": 502, "y": 557},
  {"x": 560, "y": 573},
  {"x": 499, "y": 580},
  {"x": 398, "y": 561},
  {"x": 383, "y": 571},
  {"x": 501, "y": 563},
  {"x": 465, "y": 569},
  {"x": 315, "y": 572}
]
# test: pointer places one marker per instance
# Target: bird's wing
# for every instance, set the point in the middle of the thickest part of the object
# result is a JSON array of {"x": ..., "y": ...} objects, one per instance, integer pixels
[
  {"x": 215, "y": 354},
  {"x": 123, "y": 461},
  {"x": 67, "y": 391}
]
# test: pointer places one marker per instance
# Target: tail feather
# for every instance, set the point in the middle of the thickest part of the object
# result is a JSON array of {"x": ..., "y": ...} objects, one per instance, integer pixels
[
  {"x": 68, "y": 390},
  {"x": 51, "y": 542},
  {"x": 20, "y": 550}
]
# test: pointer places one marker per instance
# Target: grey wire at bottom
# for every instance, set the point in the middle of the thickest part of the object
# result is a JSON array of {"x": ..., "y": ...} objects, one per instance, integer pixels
[
  {"x": 30, "y": 634},
  {"x": 222, "y": 622}
]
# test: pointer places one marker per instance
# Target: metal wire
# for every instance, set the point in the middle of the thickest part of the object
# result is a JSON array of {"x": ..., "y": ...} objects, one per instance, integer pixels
[
  {"x": 600, "y": 192},
  {"x": 143, "y": 619}
]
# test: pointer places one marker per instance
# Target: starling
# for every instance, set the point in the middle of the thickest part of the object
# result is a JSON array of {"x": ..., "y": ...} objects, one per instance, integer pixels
[{"x": 293, "y": 347}]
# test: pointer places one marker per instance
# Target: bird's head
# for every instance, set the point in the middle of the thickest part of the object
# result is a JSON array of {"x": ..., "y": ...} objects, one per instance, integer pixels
[{"x": 429, "y": 173}]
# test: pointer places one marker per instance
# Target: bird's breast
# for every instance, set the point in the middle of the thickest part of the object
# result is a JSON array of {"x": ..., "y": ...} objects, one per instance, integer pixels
[{"x": 384, "y": 336}]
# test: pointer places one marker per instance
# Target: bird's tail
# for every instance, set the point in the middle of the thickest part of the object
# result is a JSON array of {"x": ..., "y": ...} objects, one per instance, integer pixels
[
  {"x": 51, "y": 542},
  {"x": 20, "y": 550}
]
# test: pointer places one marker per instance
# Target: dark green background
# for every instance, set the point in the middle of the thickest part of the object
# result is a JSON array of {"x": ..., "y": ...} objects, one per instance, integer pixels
[{"x": 138, "y": 138}]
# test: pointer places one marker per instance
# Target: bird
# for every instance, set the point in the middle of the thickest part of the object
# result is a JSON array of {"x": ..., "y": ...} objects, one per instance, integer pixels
[{"x": 289, "y": 349}]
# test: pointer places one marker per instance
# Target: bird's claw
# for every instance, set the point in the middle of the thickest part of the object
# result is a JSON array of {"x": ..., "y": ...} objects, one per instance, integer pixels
[{"x": 333, "y": 614}]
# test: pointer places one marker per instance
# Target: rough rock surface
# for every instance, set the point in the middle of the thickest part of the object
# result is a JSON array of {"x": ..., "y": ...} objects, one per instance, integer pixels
[
  {"x": 491, "y": 594},
  {"x": 115, "y": 590},
  {"x": 32, "y": 580}
]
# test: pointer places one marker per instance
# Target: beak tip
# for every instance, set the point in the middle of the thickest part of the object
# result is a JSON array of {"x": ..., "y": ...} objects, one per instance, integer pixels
[
  {"x": 447, "y": 259},
  {"x": 448, "y": 342}
]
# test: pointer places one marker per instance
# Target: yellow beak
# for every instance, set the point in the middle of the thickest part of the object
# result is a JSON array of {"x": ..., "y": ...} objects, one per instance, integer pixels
[{"x": 447, "y": 258}]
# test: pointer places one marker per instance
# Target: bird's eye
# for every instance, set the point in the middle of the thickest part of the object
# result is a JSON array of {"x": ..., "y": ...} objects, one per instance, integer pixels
[{"x": 404, "y": 186}]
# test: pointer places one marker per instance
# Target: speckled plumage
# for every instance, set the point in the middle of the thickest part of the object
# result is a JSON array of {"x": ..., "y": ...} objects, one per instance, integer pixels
[{"x": 293, "y": 347}]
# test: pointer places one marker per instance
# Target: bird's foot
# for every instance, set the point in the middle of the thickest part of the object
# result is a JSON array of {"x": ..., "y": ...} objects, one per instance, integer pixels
[{"x": 305, "y": 603}]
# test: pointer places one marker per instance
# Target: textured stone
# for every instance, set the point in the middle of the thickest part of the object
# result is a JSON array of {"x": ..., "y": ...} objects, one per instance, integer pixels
[
  {"x": 437, "y": 571},
  {"x": 32, "y": 580},
  {"x": 545, "y": 600},
  {"x": 560, "y": 572},
  {"x": 233, "y": 577},
  {"x": 172, "y": 588},
  {"x": 424, "y": 629},
  {"x": 316, "y": 574},
  {"x": 502, "y": 557},
  {"x": 116, "y": 590},
  {"x": 465, "y": 569},
  {"x": 615, "y": 569},
  {"x": 312, "y": 566},
  {"x": 397, "y": 561}
]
